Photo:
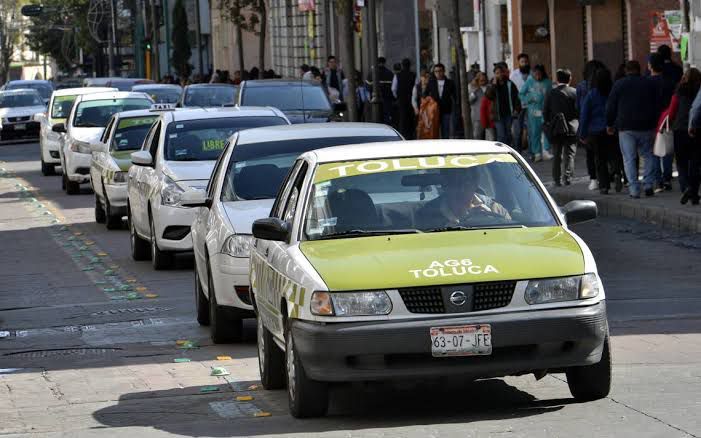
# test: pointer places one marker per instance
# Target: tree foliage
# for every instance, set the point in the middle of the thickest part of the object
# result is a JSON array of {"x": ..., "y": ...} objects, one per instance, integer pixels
[
  {"x": 9, "y": 35},
  {"x": 250, "y": 16},
  {"x": 181, "y": 41}
]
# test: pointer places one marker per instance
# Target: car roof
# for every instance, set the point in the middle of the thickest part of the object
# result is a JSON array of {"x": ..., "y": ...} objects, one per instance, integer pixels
[
  {"x": 221, "y": 112},
  {"x": 279, "y": 83},
  {"x": 138, "y": 113},
  {"x": 78, "y": 91},
  {"x": 112, "y": 95},
  {"x": 211, "y": 85},
  {"x": 138, "y": 87},
  {"x": 21, "y": 91},
  {"x": 400, "y": 149},
  {"x": 314, "y": 130},
  {"x": 30, "y": 82}
]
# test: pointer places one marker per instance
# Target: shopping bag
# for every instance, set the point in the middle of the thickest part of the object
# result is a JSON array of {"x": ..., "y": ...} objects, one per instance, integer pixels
[{"x": 664, "y": 141}]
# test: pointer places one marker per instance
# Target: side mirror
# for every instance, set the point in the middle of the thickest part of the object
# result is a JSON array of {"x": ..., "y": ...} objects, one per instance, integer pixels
[
  {"x": 195, "y": 198},
  {"x": 580, "y": 211},
  {"x": 98, "y": 147},
  {"x": 271, "y": 228},
  {"x": 59, "y": 127},
  {"x": 340, "y": 107},
  {"x": 142, "y": 158}
]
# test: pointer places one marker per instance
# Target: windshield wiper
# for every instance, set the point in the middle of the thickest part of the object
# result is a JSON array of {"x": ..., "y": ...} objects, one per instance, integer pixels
[
  {"x": 363, "y": 233},
  {"x": 465, "y": 228},
  {"x": 450, "y": 228},
  {"x": 88, "y": 125}
]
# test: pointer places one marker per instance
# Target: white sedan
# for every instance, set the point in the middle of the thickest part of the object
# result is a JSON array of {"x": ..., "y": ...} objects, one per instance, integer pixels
[
  {"x": 177, "y": 157},
  {"x": 242, "y": 189}
]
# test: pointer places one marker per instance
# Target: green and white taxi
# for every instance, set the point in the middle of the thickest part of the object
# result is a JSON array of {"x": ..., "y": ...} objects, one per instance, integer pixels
[
  {"x": 423, "y": 259},
  {"x": 111, "y": 160}
]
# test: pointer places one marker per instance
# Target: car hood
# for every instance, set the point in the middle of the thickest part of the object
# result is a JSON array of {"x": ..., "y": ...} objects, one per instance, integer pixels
[
  {"x": 389, "y": 262},
  {"x": 310, "y": 116},
  {"x": 87, "y": 135},
  {"x": 241, "y": 214},
  {"x": 191, "y": 173},
  {"x": 21, "y": 111}
]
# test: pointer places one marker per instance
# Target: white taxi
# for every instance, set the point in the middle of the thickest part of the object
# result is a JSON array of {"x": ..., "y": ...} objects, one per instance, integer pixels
[
  {"x": 423, "y": 259},
  {"x": 242, "y": 189},
  {"x": 84, "y": 126},
  {"x": 60, "y": 105},
  {"x": 177, "y": 157}
]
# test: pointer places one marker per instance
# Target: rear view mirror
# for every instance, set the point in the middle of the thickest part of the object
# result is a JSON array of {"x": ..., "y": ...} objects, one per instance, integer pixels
[
  {"x": 580, "y": 211},
  {"x": 271, "y": 228},
  {"x": 195, "y": 198},
  {"x": 59, "y": 127},
  {"x": 142, "y": 158}
]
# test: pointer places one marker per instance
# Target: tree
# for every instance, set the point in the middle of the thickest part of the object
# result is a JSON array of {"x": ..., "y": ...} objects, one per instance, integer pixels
[
  {"x": 250, "y": 16},
  {"x": 462, "y": 69},
  {"x": 181, "y": 41},
  {"x": 9, "y": 35},
  {"x": 346, "y": 31}
]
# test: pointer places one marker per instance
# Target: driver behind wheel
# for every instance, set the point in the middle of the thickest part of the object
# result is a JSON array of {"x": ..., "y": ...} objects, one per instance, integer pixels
[{"x": 460, "y": 204}]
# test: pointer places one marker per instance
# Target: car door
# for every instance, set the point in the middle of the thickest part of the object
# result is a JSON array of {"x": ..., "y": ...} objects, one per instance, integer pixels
[
  {"x": 100, "y": 160},
  {"x": 141, "y": 183}
]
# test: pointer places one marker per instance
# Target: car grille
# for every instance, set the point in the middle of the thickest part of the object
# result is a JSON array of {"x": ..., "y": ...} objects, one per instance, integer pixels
[
  {"x": 18, "y": 119},
  {"x": 486, "y": 296}
]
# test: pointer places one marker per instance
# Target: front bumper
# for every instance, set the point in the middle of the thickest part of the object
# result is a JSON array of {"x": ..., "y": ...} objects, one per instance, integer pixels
[
  {"x": 77, "y": 166},
  {"x": 49, "y": 148},
  {"x": 522, "y": 342},
  {"x": 227, "y": 273},
  {"x": 167, "y": 219},
  {"x": 117, "y": 195},
  {"x": 12, "y": 130}
]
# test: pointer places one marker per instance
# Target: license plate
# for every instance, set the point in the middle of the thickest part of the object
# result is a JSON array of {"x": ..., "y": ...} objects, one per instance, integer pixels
[
  {"x": 20, "y": 127},
  {"x": 461, "y": 340}
]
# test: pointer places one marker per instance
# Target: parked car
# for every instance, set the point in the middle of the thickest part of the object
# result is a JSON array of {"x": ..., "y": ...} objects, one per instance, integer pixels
[
  {"x": 59, "y": 107},
  {"x": 242, "y": 189},
  {"x": 423, "y": 259},
  {"x": 17, "y": 109},
  {"x": 208, "y": 95},
  {"x": 301, "y": 101},
  {"x": 84, "y": 126},
  {"x": 161, "y": 93},
  {"x": 44, "y": 88},
  {"x": 177, "y": 157},
  {"x": 122, "y": 84}
]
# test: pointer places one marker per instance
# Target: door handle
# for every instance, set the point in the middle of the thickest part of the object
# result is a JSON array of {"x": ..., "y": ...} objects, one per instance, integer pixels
[{"x": 267, "y": 251}]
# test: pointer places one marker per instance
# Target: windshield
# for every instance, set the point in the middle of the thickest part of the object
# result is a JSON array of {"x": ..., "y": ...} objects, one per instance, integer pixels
[
  {"x": 423, "y": 194},
  {"x": 210, "y": 96},
  {"x": 131, "y": 132},
  {"x": 16, "y": 100},
  {"x": 256, "y": 170},
  {"x": 204, "y": 139},
  {"x": 287, "y": 98},
  {"x": 162, "y": 95},
  {"x": 43, "y": 89},
  {"x": 62, "y": 106},
  {"x": 96, "y": 113}
]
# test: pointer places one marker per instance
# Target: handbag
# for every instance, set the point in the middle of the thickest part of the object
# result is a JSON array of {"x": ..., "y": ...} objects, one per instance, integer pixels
[{"x": 664, "y": 141}]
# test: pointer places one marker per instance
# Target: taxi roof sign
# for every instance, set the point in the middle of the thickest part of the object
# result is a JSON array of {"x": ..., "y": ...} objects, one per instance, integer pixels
[{"x": 162, "y": 107}]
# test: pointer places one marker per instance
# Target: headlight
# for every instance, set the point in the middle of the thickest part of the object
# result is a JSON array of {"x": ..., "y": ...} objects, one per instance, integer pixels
[
  {"x": 80, "y": 147},
  {"x": 237, "y": 245},
  {"x": 119, "y": 177},
  {"x": 351, "y": 303},
  {"x": 554, "y": 290},
  {"x": 171, "y": 193}
]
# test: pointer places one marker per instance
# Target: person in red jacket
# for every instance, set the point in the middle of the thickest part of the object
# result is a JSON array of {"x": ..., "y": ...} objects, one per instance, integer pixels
[{"x": 487, "y": 115}]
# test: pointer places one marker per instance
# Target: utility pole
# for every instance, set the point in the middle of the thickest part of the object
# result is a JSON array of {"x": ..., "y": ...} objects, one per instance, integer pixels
[
  {"x": 462, "y": 71},
  {"x": 375, "y": 100},
  {"x": 112, "y": 39},
  {"x": 155, "y": 42},
  {"x": 199, "y": 38}
]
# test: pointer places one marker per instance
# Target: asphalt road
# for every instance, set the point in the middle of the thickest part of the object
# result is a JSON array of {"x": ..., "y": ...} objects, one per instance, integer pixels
[{"x": 89, "y": 339}]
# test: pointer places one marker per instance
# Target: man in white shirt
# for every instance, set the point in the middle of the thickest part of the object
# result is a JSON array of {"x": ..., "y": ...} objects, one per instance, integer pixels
[{"x": 519, "y": 77}]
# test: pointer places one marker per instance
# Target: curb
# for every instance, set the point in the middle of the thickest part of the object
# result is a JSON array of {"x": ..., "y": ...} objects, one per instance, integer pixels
[{"x": 614, "y": 206}]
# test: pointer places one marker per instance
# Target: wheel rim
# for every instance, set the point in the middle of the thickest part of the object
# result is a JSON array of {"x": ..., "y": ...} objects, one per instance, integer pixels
[
  {"x": 291, "y": 371},
  {"x": 261, "y": 346}
]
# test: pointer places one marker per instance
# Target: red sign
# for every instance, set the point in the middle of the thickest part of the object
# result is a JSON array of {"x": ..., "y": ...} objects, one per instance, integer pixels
[{"x": 306, "y": 5}]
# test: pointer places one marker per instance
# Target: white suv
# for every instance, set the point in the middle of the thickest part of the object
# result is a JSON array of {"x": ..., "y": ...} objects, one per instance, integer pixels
[
  {"x": 85, "y": 124},
  {"x": 178, "y": 156}
]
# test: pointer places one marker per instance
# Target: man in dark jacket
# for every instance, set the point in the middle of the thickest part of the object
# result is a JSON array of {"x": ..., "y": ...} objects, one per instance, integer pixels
[
  {"x": 665, "y": 88},
  {"x": 562, "y": 100},
  {"x": 632, "y": 109},
  {"x": 402, "y": 87},
  {"x": 384, "y": 89},
  {"x": 442, "y": 90},
  {"x": 506, "y": 102}
]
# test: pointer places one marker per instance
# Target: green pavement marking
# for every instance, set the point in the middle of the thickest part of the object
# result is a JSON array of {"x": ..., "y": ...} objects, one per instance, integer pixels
[
  {"x": 117, "y": 297},
  {"x": 133, "y": 296},
  {"x": 209, "y": 389},
  {"x": 181, "y": 360},
  {"x": 125, "y": 287},
  {"x": 110, "y": 272},
  {"x": 88, "y": 268},
  {"x": 108, "y": 289}
]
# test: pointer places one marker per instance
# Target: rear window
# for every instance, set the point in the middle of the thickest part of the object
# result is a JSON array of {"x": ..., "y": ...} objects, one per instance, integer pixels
[
  {"x": 18, "y": 100},
  {"x": 44, "y": 90},
  {"x": 62, "y": 106},
  {"x": 204, "y": 139},
  {"x": 287, "y": 98},
  {"x": 96, "y": 113},
  {"x": 210, "y": 96},
  {"x": 256, "y": 170},
  {"x": 131, "y": 132},
  {"x": 162, "y": 95}
]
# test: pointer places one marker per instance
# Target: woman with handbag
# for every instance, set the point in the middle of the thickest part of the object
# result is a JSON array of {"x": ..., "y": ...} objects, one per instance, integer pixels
[
  {"x": 687, "y": 150},
  {"x": 426, "y": 110}
]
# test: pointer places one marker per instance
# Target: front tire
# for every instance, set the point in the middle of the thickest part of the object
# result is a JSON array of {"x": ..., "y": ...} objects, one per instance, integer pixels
[
  {"x": 112, "y": 221},
  {"x": 223, "y": 329},
  {"x": 99, "y": 211},
  {"x": 140, "y": 249},
  {"x": 72, "y": 187},
  {"x": 271, "y": 360},
  {"x": 47, "y": 169},
  {"x": 591, "y": 382},
  {"x": 160, "y": 259},
  {"x": 201, "y": 302},
  {"x": 307, "y": 398}
]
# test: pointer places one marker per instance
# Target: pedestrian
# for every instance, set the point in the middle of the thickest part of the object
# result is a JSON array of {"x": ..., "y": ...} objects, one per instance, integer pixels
[
  {"x": 560, "y": 113},
  {"x": 532, "y": 97},
  {"x": 215, "y": 77},
  {"x": 402, "y": 88},
  {"x": 254, "y": 73},
  {"x": 305, "y": 72},
  {"x": 663, "y": 165},
  {"x": 506, "y": 103},
  {"x": 671, "y": 71},
  {"x": 632, "y": 110},
  {"x": 592, "y": 133},
  {"x": 333, "y": 77},
  {"x": 362, "y": 97},
  {"x": 519, "y": 77},
  {"x": 384, "y": 89},
  {"x": 428, "y": 110},
  {"x": 487, "y": 114},
  {"x": 237, "y": 77},
  {"x": 583, "y": 86},
  {"x": 442, "y": 90},
  {"x": 477, "y": 89},
  {"x": 687, "y": 149}
]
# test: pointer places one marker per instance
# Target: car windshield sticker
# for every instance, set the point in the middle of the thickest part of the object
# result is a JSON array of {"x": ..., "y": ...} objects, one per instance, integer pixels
[
  {"x": 450, "y": 268},
  {"x": 136, "y": 121},
  {"x": 173, "y": 136},
  {"x": 179, "y": 126},
  {"x": 117, "y": 135},
  {"x": 213, "y": 145},
  {"x": 123, "y": 142},
  {"x": 329, "y": 171}
]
